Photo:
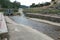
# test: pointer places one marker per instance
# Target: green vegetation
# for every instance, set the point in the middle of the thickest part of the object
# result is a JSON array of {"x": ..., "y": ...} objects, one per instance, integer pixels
[
  {"x": 42, "y": 11},
  {"x": 8, "y": 4},
  {"x": 44, "y": 8},
  {"x": 15, "y": 13},
  {"x": 39, "y": 5}
]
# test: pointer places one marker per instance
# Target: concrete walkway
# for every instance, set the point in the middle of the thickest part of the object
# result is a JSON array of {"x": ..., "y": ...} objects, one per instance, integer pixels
[
  {"x": 3, "y": 28},
  {"x": 19, "y": 32}
]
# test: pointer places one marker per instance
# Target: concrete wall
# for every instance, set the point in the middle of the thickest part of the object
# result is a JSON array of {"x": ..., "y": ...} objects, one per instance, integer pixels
[
  {"x": 50, "y": 18},
  {"x": 3, "y": 27}
]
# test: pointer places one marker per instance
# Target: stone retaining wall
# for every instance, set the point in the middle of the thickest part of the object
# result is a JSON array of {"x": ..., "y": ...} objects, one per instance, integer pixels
[{"x": 45, "y": 17}]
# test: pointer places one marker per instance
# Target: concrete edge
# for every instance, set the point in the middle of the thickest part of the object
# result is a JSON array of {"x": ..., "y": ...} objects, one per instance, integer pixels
[
  {"x": 30, "y": 28},
  {"x": 45, "y": 21},
  {"x": 4, "y": 28}
]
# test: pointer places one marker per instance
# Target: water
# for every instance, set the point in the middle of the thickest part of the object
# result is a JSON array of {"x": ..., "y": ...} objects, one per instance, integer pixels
[{"x": 47, "y": 29}]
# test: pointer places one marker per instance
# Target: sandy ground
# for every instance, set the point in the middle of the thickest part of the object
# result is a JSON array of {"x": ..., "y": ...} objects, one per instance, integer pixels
[{"x": 18, "y": 32}]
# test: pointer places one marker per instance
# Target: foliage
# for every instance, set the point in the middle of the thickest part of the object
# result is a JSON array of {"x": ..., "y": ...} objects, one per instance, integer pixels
[
  {"x": 16, "y": 4},
  {"x": 53, "y": 0},
  {"x": 46, "y": 4},
  {"x": 40, "y": 5},
  {"x": 8, "y": 4},
  {"x": 33, "y": 5},
  {"x": 42, "y": 11}
]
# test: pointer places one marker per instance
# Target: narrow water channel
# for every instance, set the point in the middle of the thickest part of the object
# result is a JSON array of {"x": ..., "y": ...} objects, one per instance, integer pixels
[{"x": 42, "y": 27}]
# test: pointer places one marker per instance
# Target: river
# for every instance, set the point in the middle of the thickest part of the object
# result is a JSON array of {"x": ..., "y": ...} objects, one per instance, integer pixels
[{"x": 47, "y": 29}]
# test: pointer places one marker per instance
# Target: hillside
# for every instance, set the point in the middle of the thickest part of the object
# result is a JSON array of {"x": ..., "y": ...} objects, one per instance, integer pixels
[{"x": 52, "y": 9}]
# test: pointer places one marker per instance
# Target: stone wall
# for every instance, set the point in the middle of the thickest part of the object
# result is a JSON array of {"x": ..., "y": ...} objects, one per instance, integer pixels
[{"x": 50, "y": 18}]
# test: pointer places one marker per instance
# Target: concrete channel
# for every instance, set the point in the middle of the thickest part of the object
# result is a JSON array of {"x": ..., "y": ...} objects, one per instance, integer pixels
[{"x": 49, "y": 17}]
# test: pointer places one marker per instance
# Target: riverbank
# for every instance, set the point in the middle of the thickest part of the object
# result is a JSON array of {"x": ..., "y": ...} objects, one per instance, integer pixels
[
  {"x": 45, "y": 21},
  {"x": 48, "y": 17},
  {"x": 22, "y": 32}
]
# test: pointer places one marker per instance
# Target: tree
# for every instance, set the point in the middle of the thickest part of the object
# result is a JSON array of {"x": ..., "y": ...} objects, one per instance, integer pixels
[
  {"x": 53, "y": 0},
  {"x": 8, "y": 4},
  {"x": 37, "y": 5},
  {"x": 46, "y": 4},
  {"x": 41, "y": 5},
  {"x": 4, "y": 3},
  {"x": 16, "y": 4},
  {"x": 33, "y": 5}
]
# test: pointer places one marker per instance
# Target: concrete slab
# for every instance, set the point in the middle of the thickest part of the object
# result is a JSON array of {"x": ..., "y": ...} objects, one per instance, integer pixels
[{"x": 3, "y": 27}]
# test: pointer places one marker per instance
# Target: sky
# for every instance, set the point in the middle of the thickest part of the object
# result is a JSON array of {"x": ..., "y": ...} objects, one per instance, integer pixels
[{"x": 29, "y": 2}]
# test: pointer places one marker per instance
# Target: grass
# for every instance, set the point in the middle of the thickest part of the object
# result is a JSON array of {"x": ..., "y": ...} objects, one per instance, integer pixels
[
  {"x": 16, "y": 13},
  {"x": 43, "y": 11}
]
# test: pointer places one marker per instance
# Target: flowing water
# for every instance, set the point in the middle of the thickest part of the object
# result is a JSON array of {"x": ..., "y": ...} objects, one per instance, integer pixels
[{"x": 42, "y": 27}]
